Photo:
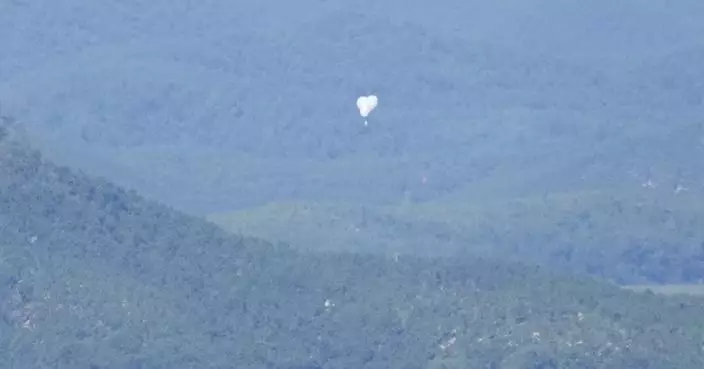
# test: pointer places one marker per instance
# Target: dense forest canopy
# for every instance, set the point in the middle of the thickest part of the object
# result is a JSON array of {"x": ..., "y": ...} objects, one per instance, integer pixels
[
  {"x": 190, "y": 185},
  {"x": 94, "y": 276}
]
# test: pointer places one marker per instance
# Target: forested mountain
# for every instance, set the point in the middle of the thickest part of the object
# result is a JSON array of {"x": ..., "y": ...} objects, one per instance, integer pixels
[
  {"x": 94, "y": 276},
  {"x": 519, "y": 146},
  {"x": 564, "y": 133}
]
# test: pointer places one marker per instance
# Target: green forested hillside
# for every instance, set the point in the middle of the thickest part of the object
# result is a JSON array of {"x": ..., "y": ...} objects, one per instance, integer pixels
[
  {"x": 94, "y": 276},
  {"x": 629, "y": 236},
  {"x": 523, "y": 153}
]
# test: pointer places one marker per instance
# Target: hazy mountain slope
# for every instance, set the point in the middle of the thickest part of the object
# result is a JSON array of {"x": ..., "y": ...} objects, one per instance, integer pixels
[
  {"x": 474, "y": 94},
  {"x": 97, "y": 277},
  {"x": 628, "y": 236}
]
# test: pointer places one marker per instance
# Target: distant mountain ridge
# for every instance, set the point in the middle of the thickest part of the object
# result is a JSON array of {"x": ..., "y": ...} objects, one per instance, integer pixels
[{"x": 171, "y": 100}]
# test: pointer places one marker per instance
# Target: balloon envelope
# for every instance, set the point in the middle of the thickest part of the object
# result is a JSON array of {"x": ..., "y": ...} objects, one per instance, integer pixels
[{"x": 366, "y": 104}]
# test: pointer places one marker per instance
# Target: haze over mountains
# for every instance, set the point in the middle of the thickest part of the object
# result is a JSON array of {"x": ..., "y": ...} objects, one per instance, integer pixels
[{"x": 193, "y": 103}]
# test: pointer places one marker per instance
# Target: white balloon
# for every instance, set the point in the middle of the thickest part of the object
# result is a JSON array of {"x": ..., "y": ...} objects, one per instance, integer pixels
[{"x": 366, "y": 104}]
